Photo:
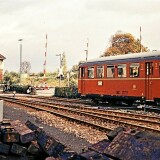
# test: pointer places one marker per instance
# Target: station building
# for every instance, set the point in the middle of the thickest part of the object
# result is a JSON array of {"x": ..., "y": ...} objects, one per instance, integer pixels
[{"x": 1, "y": 66}]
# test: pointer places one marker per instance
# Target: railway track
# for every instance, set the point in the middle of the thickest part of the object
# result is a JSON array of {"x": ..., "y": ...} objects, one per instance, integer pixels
[
  {"x": 88, "y": 103},
  {"x": 104, "y": 120}
]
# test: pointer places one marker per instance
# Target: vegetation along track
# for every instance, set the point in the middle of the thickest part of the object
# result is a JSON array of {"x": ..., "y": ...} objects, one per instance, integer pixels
[{"x": 105, "y": 120}]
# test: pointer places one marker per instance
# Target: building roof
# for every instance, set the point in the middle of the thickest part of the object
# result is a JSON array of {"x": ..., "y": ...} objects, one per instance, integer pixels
[{"x": 2, "y": 57}]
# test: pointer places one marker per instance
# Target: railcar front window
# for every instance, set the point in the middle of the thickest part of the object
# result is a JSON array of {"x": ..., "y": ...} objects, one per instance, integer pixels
[
  {"x": 159, "y": 68},
  {"x": 134, "y": 70},
  {"x": 122, "y": 70},
  {"x": 79, "y": 73},
  {"x": 90, "y": 72},
  {"x": 82, "y": 72},
  {"x": 100, "y": 71},
  {"x": 110, "y": 71}
]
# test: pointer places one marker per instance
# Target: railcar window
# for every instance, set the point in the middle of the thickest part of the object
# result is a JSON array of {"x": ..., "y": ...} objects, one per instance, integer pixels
[
  {"x": 121, "y": 70},
  {"x": 100, "y": 71},
  {"x": 82, "y": 72},
  {"x": 90, "y": 72},
  {"x": 110, "y": 71},
  {"x": 134, "y": 69},
  {"x": 159, "y": 68},
  {"x": 79, "y": 72}
]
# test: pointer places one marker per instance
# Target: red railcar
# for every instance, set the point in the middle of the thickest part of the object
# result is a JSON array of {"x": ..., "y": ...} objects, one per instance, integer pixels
[{"x": 127, "y": 78}]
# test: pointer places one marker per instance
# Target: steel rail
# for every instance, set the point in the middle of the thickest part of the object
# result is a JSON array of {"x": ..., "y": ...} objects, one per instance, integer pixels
[{"x": 100, "y": 117}]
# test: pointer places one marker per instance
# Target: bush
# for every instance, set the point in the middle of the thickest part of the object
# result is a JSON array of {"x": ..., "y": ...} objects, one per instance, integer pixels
[
  {"x": 67, "y": 92},
  {"x": 22, "y": 89}
]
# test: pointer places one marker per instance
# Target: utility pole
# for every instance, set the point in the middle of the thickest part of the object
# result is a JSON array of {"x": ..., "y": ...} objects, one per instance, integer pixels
[
  {"x": 20, "y": 40},
  {"x": 59, "y": 69}
]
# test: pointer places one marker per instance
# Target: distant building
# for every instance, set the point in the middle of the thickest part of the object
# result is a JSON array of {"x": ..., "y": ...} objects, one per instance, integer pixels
[{"x": 1, "y": 66}]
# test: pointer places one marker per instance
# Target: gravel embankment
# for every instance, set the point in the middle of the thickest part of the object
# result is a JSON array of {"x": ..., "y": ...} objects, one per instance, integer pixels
[{"x": 69, "y": 139}]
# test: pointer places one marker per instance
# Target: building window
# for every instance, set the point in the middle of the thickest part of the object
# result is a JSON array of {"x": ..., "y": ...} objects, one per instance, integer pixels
[
  {"x": 122, "y": 70},
  {"x": 110, "y": 71},
  {"x": 90, "y": 72},
  {"x": 100, "y": 71},
  {"x": 134, "y": 69}
]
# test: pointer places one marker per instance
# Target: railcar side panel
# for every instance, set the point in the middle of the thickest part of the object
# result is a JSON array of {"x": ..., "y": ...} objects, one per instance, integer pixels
[
  {"x": 114, "y": 87},
  {"x": 145, "y": 84}
]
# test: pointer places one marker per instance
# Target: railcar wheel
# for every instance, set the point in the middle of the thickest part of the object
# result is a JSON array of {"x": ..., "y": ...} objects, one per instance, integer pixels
[
  {"x": 95, "y": 101},
  {"x": 129, "y": 102},
  {"x": 157, "y": 103},
  {"x": 112, "y": 102}
]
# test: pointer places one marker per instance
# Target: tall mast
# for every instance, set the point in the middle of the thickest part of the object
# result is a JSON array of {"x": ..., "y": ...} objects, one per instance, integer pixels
[
  {"x": 87, "y": 44},
  {"x": 45, "y": 58},
  {"x": 140, "y": 40}
]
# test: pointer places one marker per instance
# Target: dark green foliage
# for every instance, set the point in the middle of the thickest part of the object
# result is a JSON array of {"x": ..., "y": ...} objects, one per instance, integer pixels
[
  {"x": 10, "y": 77},
  {"x": 67, "y": 92},
  {"x": 22, "y": 89}
]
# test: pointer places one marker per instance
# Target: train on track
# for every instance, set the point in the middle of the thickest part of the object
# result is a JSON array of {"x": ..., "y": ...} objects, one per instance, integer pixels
[{"x": 127, "y": 78}]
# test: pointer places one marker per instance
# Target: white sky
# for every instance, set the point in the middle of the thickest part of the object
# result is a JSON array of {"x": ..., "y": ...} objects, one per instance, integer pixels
[{"x": 68, "y": 24}]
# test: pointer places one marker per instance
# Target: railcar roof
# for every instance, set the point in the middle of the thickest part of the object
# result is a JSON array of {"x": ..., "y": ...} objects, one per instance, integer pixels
[{"x": 126, "y": 57}]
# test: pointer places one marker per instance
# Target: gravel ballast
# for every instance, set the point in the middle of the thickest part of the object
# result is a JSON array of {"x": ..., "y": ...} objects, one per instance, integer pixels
[{"x": 69, "y": 139}]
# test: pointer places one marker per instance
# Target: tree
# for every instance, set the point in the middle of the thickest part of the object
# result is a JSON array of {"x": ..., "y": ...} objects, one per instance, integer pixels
[
  {"x": 123, "y": 43},
  {"x": 73, "y": 76},
  {"x": 10, "y": 77},
  {"x": 40, "y": 74},
  {"x": 74, "y": 71},
  {"x": 64, "y": 63}
]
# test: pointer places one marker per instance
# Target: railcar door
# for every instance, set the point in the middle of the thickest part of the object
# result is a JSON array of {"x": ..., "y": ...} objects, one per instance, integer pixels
[
  {"x": 148, "y": 80},
  {"x": 82, "y": 75}
]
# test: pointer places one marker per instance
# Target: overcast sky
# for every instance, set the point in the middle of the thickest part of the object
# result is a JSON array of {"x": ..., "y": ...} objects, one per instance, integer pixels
[{"x": 68, "y": 24}]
